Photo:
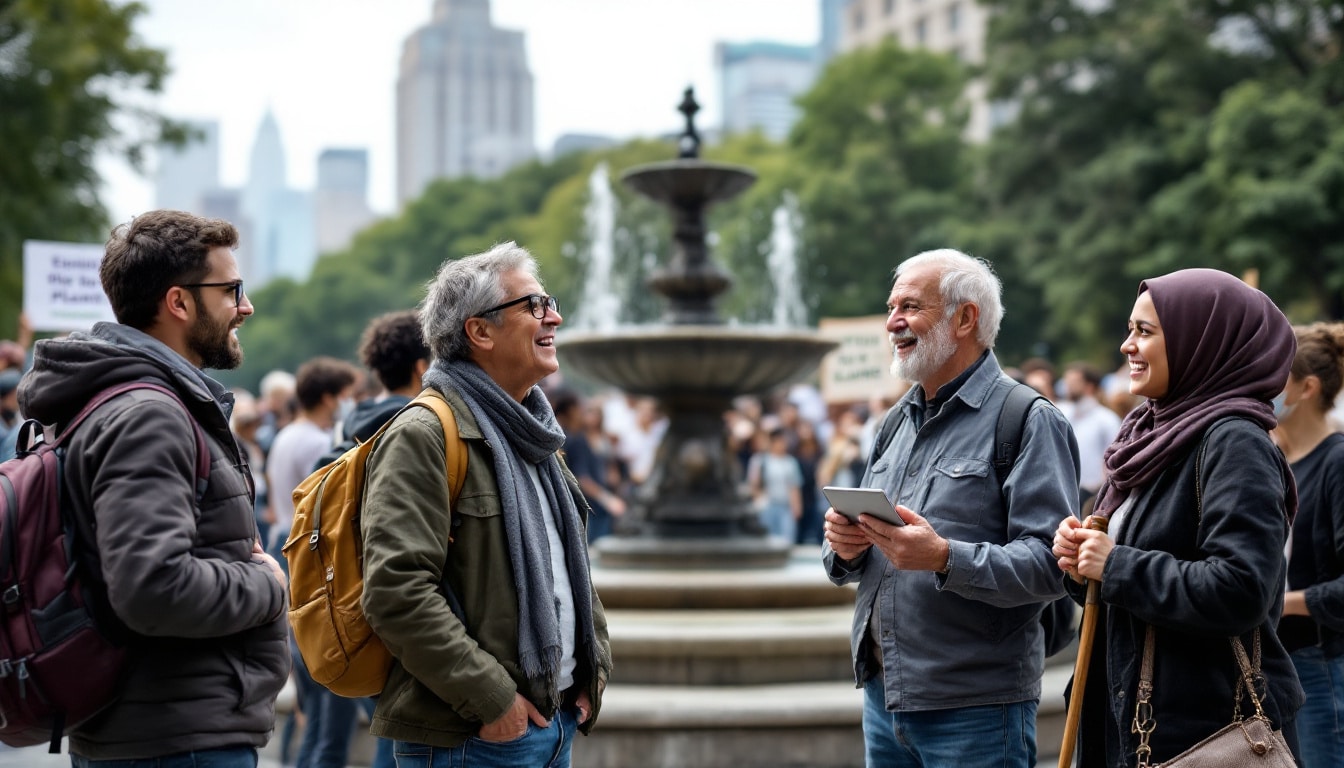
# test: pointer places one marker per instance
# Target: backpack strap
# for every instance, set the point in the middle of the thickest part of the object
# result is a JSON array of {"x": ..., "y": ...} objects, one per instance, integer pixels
[
  {"x": 455, "y": 449},
  {"x": 1008, "y": 432},
  {"x": 202, "y": 448}
]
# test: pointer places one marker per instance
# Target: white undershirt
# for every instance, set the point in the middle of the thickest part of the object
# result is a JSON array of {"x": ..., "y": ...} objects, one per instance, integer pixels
[
  {"x": 1117, "y": 521},
  {"x": 564, "y": 593}
]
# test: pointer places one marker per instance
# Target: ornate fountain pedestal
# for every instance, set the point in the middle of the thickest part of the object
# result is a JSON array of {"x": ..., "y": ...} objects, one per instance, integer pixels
[{"x": 691, "y": 513}]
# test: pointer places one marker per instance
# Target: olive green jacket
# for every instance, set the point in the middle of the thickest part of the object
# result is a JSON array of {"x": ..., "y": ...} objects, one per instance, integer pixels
[{"x": 451, "y": 675}]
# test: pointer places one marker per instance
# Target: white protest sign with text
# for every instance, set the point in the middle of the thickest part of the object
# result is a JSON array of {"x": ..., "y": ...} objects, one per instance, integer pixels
[{"x": 61, "y": 289}]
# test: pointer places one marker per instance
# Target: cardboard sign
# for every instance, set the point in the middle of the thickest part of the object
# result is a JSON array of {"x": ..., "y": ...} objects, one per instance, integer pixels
[
  {"x": 61, "y": 289},
  {"x": 861, "y": 367}
]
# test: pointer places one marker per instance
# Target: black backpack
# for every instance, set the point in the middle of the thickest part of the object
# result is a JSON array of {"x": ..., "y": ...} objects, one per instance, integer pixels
[
  {"x": 61, "y": 648},
  {"x": 1058, "y": 617}
]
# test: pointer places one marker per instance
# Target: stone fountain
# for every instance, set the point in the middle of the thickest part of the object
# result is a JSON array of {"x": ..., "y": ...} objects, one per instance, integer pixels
[{"x": 690, "y": 513}]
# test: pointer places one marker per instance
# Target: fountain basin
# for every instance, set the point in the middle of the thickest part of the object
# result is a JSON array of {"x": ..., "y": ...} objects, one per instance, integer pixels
[
  {"x": 688, "y": 181},
  {"x": 700, "y": 361}
]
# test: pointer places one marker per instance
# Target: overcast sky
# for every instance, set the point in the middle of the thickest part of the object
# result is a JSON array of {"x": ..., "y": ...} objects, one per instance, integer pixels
[{"x": 328, "y": 69}]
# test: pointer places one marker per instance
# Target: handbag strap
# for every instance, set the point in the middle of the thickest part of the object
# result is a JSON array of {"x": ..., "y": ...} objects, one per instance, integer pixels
[{"x": 1144, "y": 724}]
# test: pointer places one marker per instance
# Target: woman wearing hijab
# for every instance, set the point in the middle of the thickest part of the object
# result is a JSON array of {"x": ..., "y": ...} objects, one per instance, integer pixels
[
  {"x": 1312, "y": 628},
  {"x": 1198, "y": 502}
]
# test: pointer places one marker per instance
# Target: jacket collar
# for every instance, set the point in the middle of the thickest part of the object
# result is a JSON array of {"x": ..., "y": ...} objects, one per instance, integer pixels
[{"x": 973, "y": 392}]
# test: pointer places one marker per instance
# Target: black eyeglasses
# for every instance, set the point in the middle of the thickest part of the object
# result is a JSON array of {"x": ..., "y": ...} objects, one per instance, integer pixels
[
  {"x": 235, "y": 285},
  {"x": 537, "y": 304}
]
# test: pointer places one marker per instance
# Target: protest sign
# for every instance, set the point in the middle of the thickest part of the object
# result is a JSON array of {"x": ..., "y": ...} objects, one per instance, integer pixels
[{"x": 61, "y": 289}]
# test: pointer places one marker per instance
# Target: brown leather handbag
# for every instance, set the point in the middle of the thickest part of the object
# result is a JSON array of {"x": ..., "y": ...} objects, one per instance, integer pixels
[{"x": 1249, "y": 742}]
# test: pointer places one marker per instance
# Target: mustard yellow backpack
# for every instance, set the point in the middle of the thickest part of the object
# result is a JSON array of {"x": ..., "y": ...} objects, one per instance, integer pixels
[{"x": 325, "y": 554}]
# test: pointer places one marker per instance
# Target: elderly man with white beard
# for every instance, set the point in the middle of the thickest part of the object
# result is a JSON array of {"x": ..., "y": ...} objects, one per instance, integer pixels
[{"x": 946, "y": 639}]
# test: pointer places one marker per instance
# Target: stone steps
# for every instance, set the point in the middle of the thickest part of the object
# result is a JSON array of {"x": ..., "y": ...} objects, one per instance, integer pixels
[{"x": 739, "y": 647}]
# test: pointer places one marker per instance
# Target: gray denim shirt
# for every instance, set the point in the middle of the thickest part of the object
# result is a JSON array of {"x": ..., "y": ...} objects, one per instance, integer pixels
[{"x": 972, "y": 636}]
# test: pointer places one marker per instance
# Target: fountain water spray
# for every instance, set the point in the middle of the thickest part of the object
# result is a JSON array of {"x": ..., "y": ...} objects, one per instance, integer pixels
[
  {"x": 789, "y": 310},
  {"x": 601, "y": 305}
]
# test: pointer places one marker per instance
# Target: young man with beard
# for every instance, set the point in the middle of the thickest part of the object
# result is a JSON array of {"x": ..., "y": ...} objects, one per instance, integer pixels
[
  {"x": 946, "y": 639},
  {"x": 204, "y": 606},
  {"x": 485, "y": 598}
]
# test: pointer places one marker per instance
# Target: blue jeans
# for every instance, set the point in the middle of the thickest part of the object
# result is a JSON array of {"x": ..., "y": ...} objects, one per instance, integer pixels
[
  {"x": 1321, "y": 718},
  {"x": 538, "y": 748},
  {"x": 226, "y": 757},
  {"x": 998, "y": 735}
]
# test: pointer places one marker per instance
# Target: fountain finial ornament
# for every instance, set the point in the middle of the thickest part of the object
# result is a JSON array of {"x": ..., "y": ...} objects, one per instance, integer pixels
[{"x": 688, "y": 145}]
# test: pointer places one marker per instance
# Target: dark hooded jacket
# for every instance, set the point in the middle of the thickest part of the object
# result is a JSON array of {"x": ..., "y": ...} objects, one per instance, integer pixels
[
  {"x": 362, "y": 424},
  {"x": 207, "y": 634}
]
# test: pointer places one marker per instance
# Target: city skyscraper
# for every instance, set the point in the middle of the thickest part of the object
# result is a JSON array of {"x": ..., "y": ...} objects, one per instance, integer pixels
[
  {"x": 185, "y": 174},
  {"x": 464, "y": 99},
  {"x": 341, "y": 198},
  {"x": 758, "y": 83},
  {"x": 281, "y": 218}
]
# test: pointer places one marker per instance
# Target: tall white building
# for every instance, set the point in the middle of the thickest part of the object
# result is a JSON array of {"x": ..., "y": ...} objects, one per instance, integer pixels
[
  {"x": 185, "y": 174},
  {"x": 942, "y": 26},
  {"x": 758, "y": 83},
  {"x": 464, "y": 99},
  {"x": 341, "y": 200},
  {"x": 281, "y": 218}
]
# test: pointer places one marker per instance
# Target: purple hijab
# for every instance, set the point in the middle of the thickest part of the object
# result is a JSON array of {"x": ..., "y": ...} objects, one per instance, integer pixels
[{"x": 1228, "y": 354}]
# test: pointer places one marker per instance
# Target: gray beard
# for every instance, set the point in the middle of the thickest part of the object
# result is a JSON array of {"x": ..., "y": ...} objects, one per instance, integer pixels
[{"x": 934, "y": 349}]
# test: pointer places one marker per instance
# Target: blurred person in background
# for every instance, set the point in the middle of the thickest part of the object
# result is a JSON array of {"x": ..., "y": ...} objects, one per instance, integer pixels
[
  {"x": 10, "y": 418},
  {"x": 277, "y": 405},
  {"x": 244, "y": 422},
  {"x": 588, "y": 466},
  {"x": 1039, "y": 374},
  {"x": 808, "y": 453},
  {"x": 1312, "y": 627},
  {"x": 1093, "y": 424},
  {"x": 776, "y": 482}
]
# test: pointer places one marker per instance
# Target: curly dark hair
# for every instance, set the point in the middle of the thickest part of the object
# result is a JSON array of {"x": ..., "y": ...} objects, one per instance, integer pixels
[
  {"x": 154, "y": 252},
  {"x": 391, "y": 346}
]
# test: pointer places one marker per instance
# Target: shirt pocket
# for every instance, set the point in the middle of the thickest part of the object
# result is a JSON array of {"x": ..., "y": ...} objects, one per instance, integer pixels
[{"x": 957, "y": 495}]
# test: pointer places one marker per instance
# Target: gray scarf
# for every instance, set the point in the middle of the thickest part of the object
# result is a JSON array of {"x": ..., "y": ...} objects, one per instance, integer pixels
[{"x": 518, "y": 433}]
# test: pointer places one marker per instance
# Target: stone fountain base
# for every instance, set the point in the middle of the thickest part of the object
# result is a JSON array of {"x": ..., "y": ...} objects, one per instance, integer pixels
[
  {"x": 740, "y": 552},
  {"x": 722, "y": 666}
]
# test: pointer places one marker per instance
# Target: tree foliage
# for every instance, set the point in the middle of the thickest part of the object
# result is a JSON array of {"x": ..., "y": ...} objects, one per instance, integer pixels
[
  {"x": 70, "y": 72},
  {"x": 1160, "y": 134}
]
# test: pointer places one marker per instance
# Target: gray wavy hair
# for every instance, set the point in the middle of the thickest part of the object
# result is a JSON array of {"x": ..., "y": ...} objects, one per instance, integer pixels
[
  {"x": 463, "y": 288},
  {"x": 965, "y": 279}
]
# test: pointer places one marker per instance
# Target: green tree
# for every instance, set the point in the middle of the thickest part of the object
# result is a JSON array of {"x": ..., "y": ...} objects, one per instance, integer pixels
[
  {"x": 883, "y": 171},
  {"x": 1159, "y": 134},
  {"x": 69, "y": 73}
]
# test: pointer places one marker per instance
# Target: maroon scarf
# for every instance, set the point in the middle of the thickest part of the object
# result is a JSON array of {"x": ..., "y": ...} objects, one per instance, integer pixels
[{"x": 1228, "y": 354}]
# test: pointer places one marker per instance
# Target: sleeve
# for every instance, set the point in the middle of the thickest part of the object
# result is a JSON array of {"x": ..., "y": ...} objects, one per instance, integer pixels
[
  {"x": 141, "y": 460},
  {"x": 1229, "y": 578},
  {"x": 406, "y": 519},
  {"x": 1325, "y": 601},
  {"x": 839, "y": 571},
  {"x": 1041, "y": 490}
]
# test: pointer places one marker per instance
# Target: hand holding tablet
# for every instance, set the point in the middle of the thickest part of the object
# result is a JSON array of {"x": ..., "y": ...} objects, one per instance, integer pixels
[{"x": 852, "y": 502}]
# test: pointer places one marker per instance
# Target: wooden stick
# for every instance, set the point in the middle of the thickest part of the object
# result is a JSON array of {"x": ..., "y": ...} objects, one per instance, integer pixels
[{"x": 1087, "y": 634}]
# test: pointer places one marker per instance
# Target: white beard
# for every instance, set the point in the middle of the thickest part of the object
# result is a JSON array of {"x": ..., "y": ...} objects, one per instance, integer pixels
[{"x": 932, "y": 351}]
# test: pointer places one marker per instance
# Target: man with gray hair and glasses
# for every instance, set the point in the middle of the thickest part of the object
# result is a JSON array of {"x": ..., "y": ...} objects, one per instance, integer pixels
[
  {"x": 946, "y": 638},
  {"x": 486, "y": 603}
]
